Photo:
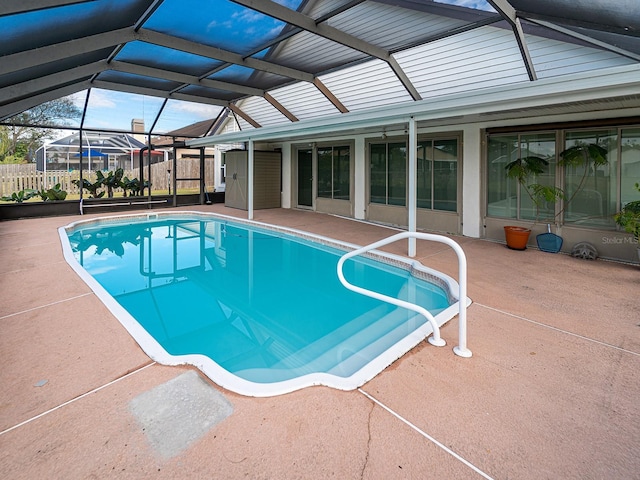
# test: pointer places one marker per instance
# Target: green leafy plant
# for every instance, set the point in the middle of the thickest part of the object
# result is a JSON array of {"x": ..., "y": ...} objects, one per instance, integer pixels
[
  {"x": 133, "y": 186},
  {"x": 92, "y": 188},
  {"x": 629, "y": 217},
  {"x": 588, "y": 156},
  {"x": 525, "y": 168},
  {"x": 111, "y": 181},
  {"x": 21, "y": 196},
  {"x": 52, "y": 194}
]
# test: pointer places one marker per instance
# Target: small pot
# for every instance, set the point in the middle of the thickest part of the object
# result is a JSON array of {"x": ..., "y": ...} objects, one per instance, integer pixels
[{"x": 517, "y": 237}]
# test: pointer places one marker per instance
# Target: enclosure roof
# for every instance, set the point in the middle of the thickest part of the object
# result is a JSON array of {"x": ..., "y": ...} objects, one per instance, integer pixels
[
  {"x": 98, "y": 143},
  {"x": 173, "y": 63}
]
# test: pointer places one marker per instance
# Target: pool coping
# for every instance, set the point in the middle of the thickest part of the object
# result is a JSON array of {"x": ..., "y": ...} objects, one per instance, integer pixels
[{"x": 227, "y": 379}]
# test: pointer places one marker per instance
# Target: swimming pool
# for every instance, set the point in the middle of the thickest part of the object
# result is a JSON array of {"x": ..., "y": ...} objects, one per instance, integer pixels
[{"x": 259, "y": 309}]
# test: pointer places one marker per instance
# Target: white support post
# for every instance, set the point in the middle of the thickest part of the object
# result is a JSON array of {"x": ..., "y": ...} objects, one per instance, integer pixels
[
  {"x": 413, "y": 152},
  {"x": 359, "y": 187},
  {"x": 472, "y": 225},
  {"x": 250, "y": 181}
]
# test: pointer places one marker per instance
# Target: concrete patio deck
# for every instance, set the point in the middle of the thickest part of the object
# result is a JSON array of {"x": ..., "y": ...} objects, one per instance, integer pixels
[{"x": 552, "y": 390}]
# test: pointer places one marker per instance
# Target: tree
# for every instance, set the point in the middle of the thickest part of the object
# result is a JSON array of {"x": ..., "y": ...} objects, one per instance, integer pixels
[{"x": 28, "y": 130}]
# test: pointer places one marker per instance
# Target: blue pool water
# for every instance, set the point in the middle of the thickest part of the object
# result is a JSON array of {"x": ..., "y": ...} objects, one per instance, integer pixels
[{"x": 264, "y": 305}]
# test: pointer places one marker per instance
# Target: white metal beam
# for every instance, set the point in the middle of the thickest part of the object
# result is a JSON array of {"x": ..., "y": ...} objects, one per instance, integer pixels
[{"x": 307, "y": 23}]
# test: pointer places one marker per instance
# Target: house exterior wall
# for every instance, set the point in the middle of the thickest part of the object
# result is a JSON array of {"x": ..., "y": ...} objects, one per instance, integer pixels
[{"x": 471, "y": 219}]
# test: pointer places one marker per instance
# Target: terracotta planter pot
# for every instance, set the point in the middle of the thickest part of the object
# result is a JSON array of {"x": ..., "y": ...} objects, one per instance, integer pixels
[{"x": 517, "y": 237}]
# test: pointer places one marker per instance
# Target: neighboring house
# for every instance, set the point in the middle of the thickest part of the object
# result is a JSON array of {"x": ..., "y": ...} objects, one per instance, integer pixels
[
  {"x": 174, "y": 144},
  {"x": 100, "y": 151}
]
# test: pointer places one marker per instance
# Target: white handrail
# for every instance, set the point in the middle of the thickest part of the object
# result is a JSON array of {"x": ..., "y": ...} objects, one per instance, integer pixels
[{"x": 461, "y": 349}]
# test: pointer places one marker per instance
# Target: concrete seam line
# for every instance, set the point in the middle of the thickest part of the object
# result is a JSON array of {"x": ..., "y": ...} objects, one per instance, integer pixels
[
  {"x": 427, "y": 436},
  {"x": 519, "y": 317},
  {"x": 76, "y": 398},
  {"x": 45, "y": 306}
]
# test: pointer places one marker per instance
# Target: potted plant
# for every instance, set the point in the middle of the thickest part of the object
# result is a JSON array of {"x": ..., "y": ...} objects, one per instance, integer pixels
[
  {"x": 629, "y": 219},
  {"x": 524, "y": 170}
]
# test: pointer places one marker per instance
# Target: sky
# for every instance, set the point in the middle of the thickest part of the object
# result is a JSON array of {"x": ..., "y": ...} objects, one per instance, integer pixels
[
  {"x": 475, "y": 4},
  {"x": 114, "y": 110}
]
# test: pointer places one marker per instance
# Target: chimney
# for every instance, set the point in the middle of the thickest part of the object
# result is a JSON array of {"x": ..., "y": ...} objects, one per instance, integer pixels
[{"x": 137, "y": 127}]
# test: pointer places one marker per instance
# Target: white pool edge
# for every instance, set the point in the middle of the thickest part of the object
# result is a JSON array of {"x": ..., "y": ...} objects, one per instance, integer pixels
[{"x": 230, "y": 381}]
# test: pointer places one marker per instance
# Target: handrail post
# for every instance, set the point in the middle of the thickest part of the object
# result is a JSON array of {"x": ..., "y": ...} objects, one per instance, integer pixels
[{"x": 461, "y": 349}]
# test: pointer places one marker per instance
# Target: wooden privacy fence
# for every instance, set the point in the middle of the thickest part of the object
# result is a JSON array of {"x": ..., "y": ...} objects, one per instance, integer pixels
[{"x": 21, "y": 177}]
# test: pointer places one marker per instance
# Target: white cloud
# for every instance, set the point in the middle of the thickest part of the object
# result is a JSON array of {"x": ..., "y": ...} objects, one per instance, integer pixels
[
  {"x": 100, "y": 99},
  {"x": 78, "y": 98},
  {"x": 200, "y": 110},
  {"x": 248, "y": 16}
]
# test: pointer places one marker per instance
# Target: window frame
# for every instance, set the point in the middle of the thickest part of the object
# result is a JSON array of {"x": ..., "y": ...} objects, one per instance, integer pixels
[
  {"x": 422, "y": 139},
  {"x": 620, "y": 132}
]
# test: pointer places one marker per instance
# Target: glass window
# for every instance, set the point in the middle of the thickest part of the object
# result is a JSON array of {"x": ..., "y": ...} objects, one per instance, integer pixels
[
  {"x": 436, "y": 174},
  {"x": 333, "y": 172},
  {"x": 629, "y": 165},
  {"x": 378, "y": 176},
  {"x": 341, "y": 173},
  {"x": 505, "y": 196},
  {"x": 540, "y": 146},
  {"x": 590, "y": 184},
  {"x": 424, "y": 174},
  {"x": 502, "y": 200},
  {"x": 325, "y": 175},
  {"x": 596, "y": 170},
  {"x": 445, "y": 175},
  {"x": 388, "y": 173},
  {"x": 397, "y": 180}
]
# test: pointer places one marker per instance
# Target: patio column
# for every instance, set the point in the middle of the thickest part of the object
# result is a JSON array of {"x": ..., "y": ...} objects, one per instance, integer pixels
[
  {"x": 472, "y": 174},
  {"x": 413, "y": 152},
  {"x": 250, "y": 180},
  {"x": 360, "y": 175}
]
